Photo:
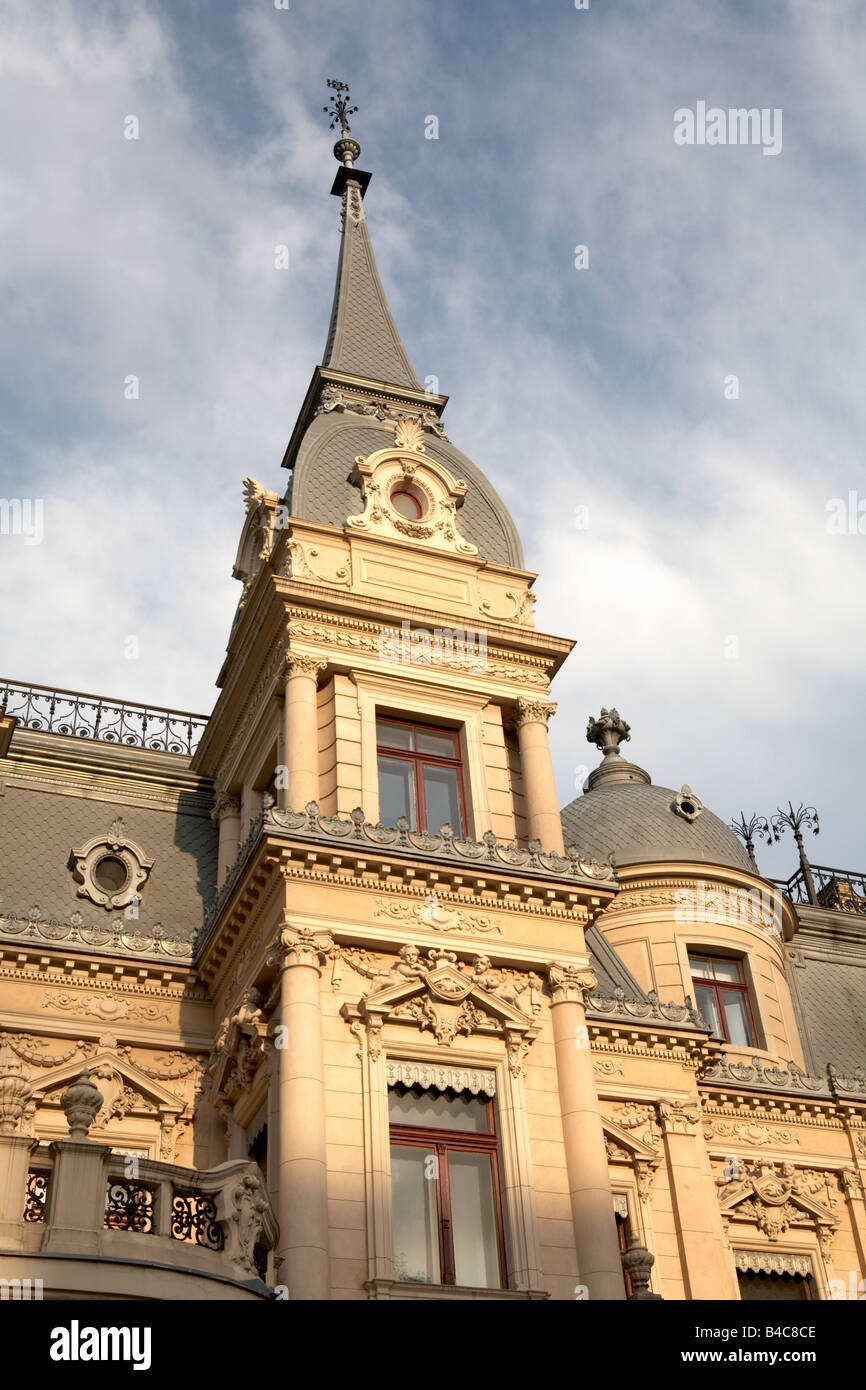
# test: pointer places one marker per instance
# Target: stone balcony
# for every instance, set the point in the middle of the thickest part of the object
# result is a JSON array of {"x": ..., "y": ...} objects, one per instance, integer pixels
[{"x": 89, "y": 1223}]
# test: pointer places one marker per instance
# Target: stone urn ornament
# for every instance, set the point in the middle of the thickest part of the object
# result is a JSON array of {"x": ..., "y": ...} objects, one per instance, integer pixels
[{"x": 82, "y": 1102}]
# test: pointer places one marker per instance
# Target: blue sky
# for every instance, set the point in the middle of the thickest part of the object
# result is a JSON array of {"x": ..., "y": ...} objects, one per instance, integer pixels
[{"x": 600, "y": 388}]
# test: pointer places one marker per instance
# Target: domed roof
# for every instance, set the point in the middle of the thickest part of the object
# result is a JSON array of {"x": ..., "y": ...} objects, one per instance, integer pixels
[
  {"x": 321, "y": 490},
  {"x": 640, "y": 823},
  {"x": 622, "y": 813}
]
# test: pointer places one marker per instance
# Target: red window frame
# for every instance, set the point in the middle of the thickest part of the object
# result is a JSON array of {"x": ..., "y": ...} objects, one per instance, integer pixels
[
  {"x": 418, "y": 761},
  {"x": 438, "y": 1142},
  {"x": 718, "y": 986},
  {"x": 622, "y": 1231}
]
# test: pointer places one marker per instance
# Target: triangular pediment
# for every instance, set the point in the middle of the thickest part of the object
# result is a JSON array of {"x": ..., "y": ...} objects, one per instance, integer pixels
[
  {"x": 109, "y": 1067},
  {"x": 625, "y": 1139},
  {"x": 447, "y": 985}
]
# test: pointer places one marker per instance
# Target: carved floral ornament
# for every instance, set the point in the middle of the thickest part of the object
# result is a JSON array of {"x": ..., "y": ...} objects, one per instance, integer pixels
[
  {"x": 435, "y": 993},
  {"x": 110, "y": 869},
  {"x": 405, "y": 468}
]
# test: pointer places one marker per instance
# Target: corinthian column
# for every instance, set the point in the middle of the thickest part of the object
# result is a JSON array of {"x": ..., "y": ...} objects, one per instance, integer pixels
[
  {"x": 227, "y": 815},
  {"x": 595, "y": 1236},
  {"x": 539, "y": 785},
  {"x": 302, "y": 1196},
  {"x": 300, "y": 741}
]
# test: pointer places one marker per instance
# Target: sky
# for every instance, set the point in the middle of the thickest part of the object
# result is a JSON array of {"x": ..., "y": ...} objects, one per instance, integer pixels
[{"x": 674, "y": 416}]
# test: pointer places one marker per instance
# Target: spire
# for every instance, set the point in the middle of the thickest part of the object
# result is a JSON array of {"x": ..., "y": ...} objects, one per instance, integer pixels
[{"x": 363, "y": 338}]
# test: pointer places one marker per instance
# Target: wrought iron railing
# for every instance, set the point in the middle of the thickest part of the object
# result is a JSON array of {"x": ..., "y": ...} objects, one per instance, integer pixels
[
  {"x": 103, "y": 720},
  {"x": 37, "y": 1196},
  {"x": 840, "y": 890},
  {"x": 194, "y": 1218}
]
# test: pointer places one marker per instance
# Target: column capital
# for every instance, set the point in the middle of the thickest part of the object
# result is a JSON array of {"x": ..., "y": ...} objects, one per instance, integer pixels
[
  {"x": 679, "y": 1116},
  {"x": 301, "y": 664},
  {"x": 532, "y": 711},
  {"x": 225, "y": 805},
  {"x": 568, "y": 983},
  {"x": 300, "y": 946}
]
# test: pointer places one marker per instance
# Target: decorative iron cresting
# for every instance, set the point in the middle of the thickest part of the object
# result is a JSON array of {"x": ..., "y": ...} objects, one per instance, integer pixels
[{"x": 103, "y": 720}]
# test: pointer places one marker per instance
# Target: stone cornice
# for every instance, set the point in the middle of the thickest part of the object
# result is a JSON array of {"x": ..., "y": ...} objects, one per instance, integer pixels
[{"x": 104, "y": 772}]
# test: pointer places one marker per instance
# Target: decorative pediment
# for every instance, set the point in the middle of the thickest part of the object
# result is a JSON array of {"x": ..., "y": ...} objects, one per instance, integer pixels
[
  {"x": 777, "y": 1198},
  {"x": 435, "y": 993},
  {"x": 623, "y": 1144},
  {"x": 409, "y": 496},
  {"x": 126, "y": 1090}
]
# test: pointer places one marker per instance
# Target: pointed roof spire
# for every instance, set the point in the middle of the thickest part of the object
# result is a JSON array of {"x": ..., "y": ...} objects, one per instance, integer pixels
[{"x": 362, "y": 338}]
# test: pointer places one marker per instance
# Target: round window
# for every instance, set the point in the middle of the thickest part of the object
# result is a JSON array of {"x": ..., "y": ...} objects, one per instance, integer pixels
[
  {"x": 407, "y": 504},
  {"x": 110, "y": 874}
]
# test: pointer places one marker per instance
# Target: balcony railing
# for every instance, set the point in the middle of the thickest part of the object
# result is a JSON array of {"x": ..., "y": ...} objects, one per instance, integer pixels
[
  {"x": 839, "y": 890},
  {"x": 103, "y": 720},
  {"x": 215, "y": 1221}
]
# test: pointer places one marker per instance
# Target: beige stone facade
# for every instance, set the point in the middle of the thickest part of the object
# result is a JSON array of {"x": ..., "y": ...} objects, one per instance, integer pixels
[{"x": 247, "y": 962}]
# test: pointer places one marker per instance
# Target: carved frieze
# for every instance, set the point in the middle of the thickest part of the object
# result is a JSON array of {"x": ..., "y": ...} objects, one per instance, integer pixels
[
  {"x": 106, "y": 1007},
  {"x": 431, "y": 913}
]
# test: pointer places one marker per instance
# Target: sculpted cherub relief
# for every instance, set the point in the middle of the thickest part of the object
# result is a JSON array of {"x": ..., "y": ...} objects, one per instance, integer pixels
[{"x": 408, "y": 966}]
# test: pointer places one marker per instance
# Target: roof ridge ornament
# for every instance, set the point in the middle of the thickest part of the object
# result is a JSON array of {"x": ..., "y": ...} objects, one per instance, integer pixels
[
  {"x": 607, "y": 732},
  {"x": 346, "y": 150}
]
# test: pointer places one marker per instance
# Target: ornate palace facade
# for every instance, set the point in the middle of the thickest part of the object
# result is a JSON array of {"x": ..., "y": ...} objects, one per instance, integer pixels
[{"x": 324, "y": 997}]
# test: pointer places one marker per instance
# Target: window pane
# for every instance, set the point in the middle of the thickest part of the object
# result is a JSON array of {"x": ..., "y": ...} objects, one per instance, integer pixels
[
  {"x": 706, "y": 1002},
  {"x": 728, "y": 970},
  {"x": 473, "y": 1220},
  {"x": 737, "y": 1017},
  {"x": 701, "y": 967},
  {"x": 416, "y": 1222},
  {"x": 442, "y": 798},
  {"x": 396, "y": 790},
  {"x": 441, "y": 742},
  {"x": 439, "y": 1111},
  {"x": 393, "y": 735}
]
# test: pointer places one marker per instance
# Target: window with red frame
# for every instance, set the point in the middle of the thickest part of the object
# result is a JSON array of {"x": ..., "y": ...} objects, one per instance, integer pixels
[
  {"x": 445, "y": 1195},
  {"x": 420, "y": 776},
  {"x": 722, "y": 995}
]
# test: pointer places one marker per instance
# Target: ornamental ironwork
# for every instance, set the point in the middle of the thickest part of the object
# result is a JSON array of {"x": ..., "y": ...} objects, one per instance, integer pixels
[
  {"x": 838, "y": 890},
  {"x": 37, "y": 1197},
  {"x": 78, "y": 715},
  {"x": 194, "y": 1219},
  {"x": 129, "y": 1207}
]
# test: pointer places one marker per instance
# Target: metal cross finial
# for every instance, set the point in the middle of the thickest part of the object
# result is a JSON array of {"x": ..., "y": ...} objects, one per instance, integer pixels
[
  {"x": 339, "y": 109},
  {"x": 748, "y": 829}
]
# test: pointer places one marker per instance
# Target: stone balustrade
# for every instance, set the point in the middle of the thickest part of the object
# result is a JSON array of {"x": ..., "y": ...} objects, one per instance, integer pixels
[{"x": 86, "y": 1222}]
